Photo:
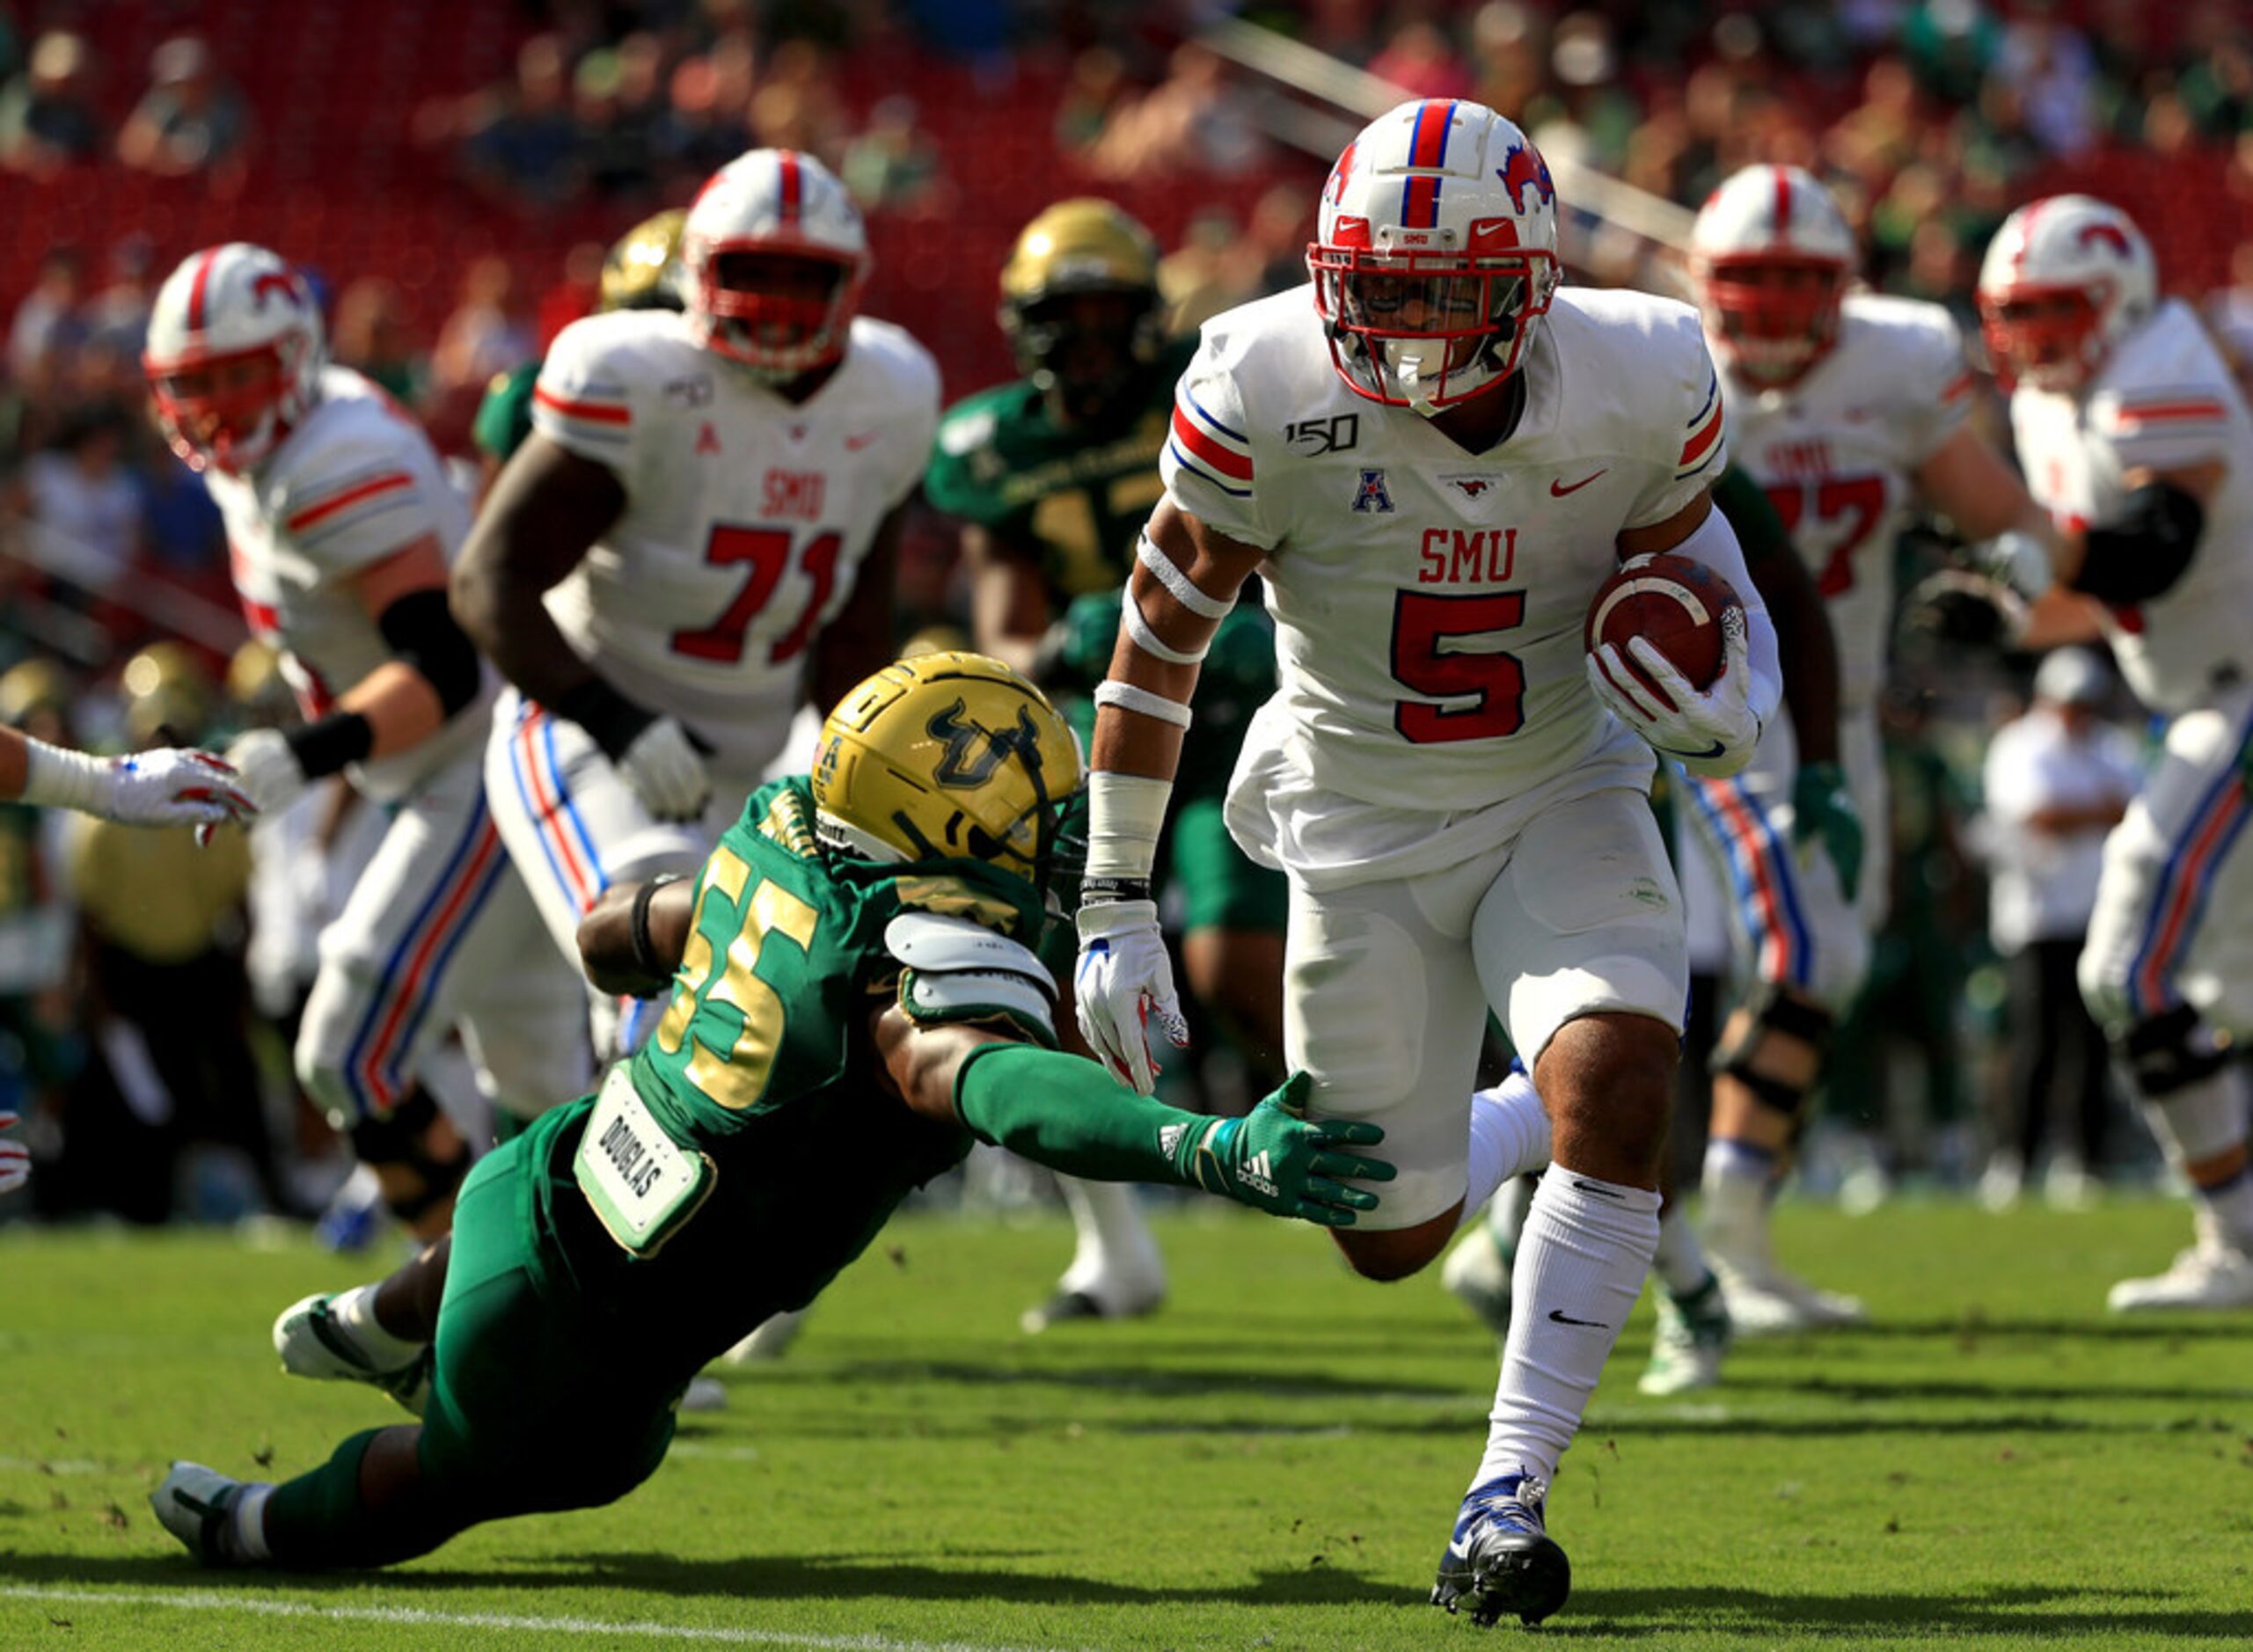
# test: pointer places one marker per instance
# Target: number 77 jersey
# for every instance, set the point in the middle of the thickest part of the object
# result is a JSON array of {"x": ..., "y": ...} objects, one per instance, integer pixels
[
  {"x": 747, "y": 515},
  {"x": 1429, "y": 601}
]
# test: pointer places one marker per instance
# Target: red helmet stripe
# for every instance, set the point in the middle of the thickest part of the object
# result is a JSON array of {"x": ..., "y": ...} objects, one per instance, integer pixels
[
  {"x": 1783, "y": 204},
  {"x": 196, "y": 287},
  {"x": 793, "y": 188}
]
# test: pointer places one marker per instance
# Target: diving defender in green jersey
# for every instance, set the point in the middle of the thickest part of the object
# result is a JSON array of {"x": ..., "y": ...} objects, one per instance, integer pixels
[
  {"x": 852, "y": 984},
  {"x": 1053, "y": 476}
]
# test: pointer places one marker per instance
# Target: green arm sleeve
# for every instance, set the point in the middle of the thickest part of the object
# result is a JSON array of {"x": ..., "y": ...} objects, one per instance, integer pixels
[{"x": 1067, "y": 1113}]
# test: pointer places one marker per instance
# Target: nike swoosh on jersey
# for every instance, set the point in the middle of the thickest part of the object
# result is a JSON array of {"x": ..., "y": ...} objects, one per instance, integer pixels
[
  {"x": 1555, "y": 492},
  {"x": 853, "y": 444}
]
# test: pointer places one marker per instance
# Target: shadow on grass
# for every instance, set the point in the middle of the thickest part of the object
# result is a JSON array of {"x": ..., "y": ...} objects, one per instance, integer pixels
[
  {"x": 751, "y": 1578},
  {"x": 1975, "y": 1325},
  {"x": 1304, "y": 1381},
  {"x": 1886, "y": 1389},
  {"x": 2023, "y": 1614}
]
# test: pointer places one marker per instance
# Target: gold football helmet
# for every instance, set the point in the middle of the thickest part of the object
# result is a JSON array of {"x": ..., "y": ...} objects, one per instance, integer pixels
[
  {"x": 169, "y": 697},
  {"x": 1076, "y": 249},
  {"x": 34, "y": 685},
  {"x": 945, "y": 754},
  {"x": 642, "y": 270}
]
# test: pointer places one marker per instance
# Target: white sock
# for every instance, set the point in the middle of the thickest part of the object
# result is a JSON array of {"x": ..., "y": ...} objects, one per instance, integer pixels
[
  {"x": 1681, "y": 1260},
  {"x": 1116, "y": 1260},
  {"x": 250, "y": 1522},
  {"x": 2204, "y": 1120},
  {"x": 1736, "y": 1187},
  {"x": 1581, "y": 1260},
  {"x": 1510, "y": 1135},
  {"x": 1506, "y": 1212},
  {"x": 355, "y": 1310}
]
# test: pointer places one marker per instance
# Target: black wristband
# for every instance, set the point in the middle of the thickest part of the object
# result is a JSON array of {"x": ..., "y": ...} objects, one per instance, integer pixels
[
  {"x": 644, "y": 956},
  {"x": 1103, "y": 891},
  {"x": 323, "y": 747},
  {"x": 613, "y": 721}
]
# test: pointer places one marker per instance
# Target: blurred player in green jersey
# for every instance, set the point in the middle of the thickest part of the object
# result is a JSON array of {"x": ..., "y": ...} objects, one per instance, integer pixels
[
  {"x": 855, "y": 998},
  {"x": 1052, "y": 477}
]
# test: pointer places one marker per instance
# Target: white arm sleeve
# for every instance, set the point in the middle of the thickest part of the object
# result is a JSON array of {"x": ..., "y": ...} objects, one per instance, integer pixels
[{"x": 1713, "y": 543}]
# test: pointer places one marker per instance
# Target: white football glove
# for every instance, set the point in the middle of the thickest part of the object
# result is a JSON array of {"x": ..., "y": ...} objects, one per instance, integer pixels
[
  {"x": 666, "y": 771},
  {"x": 171, "y": 787},
  {"x": 15, "y": 1158},
  {"x": 1123, "y": 981},
  {"x": 272, "y": 776},
  {"x": 1709, "y": 732},
  {"x": 2018, "y": 560}
]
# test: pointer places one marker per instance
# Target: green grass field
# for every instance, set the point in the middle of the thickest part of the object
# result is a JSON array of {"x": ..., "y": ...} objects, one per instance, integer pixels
[{"x": 1271, "y": 1463}]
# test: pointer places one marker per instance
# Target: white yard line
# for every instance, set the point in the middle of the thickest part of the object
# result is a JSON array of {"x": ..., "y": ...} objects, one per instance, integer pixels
[{"x": 207, "y": 1600}]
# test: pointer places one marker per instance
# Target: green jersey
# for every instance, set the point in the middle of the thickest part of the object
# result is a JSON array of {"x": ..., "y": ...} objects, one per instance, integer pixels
[
  {"x": 1078, "y": 496},
  {"x": 504, "y": 417},
  {"x": 762, "y": 1064}
]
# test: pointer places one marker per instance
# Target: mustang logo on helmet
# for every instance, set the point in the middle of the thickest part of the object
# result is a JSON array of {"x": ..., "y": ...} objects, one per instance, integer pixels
[
  {"x": 1521, "y": 169},
  {"x": 2104, "y": 235},
  {"x": 963, "y": 764}
]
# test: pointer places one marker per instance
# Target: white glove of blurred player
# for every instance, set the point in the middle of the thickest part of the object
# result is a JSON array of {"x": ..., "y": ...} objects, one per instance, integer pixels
[
  {"x": 1123, "y": 981},
  {"x": 2018, "y": 560},
  {"x": 165, "y": 787},
  {"x": 15, "y": 1158},
  {"x": 272, "y": 775},
  {"x": 1709, "y": 732},
  {"x": 666, "y": 771}
]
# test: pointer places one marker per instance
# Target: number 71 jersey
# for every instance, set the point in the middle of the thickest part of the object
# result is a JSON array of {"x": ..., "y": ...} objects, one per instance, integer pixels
[{"x": 747, "y": 515}]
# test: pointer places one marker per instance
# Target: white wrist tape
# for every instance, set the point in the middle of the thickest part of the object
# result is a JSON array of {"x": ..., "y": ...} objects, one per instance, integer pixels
[
  {"x": 1125, "y": 813},
  {"x": 1150, "y": 643},
  {"x": 1127, "y": 698},
  {"x": 1185, "y": 590},
  {"x": 56, "y": 779}
]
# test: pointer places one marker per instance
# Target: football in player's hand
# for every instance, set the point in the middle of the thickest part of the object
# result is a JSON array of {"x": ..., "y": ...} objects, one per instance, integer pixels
[{"x": 1671, "y": 603}]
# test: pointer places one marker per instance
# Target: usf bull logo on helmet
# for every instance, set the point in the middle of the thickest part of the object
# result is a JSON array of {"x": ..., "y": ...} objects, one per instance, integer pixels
[{"x": 949, "y": 755}]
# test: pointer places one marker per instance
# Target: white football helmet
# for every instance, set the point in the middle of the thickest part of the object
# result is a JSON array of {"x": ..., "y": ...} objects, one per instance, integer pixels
[
  {"x": 776, "y": 258},
  {"x": 1436, "y": 253},
  {"x": 1770, "y": 260},
  {"x": 234, "y": 354},
  {"x": 2064, "y": 280}
]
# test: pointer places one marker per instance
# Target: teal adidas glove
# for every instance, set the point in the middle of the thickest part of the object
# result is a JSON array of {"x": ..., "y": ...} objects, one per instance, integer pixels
[
  {"x": 1275, "y": 1160},
  {"x": 1822, "y": 807}
]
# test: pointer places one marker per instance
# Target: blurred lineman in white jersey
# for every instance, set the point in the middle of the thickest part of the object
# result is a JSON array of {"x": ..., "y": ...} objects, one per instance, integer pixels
[
  {"x": 1434, "y": 456},
  {"x": 698, "y": 533},
  {"x": 2132, "y": 431},
  {"x": 340, "y": 522},
  {"x": 1850, "y": 410}
]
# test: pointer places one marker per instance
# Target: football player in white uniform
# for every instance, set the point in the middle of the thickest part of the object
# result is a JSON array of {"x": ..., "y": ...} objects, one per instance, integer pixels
[
  {"x": 1456, "y": 789},
  {"x": 2134, "y": 434},
  {"x": 339, "y": 522},
  {"x": 1848, "y": 408},
  {"x": 699, "y": 534}
]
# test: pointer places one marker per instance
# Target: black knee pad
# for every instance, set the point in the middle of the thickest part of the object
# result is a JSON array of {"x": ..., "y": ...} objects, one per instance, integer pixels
[
  {"x": 1772, "y": 1015},
  {"x": 400, "y": 1138},
  {"x": 2170, "y": 1052}
]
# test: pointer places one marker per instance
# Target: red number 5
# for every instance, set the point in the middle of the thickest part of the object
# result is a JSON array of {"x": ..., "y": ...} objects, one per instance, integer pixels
[
  {"x": 1423, "y": 620},
  {"x": 768, "y": 551}
]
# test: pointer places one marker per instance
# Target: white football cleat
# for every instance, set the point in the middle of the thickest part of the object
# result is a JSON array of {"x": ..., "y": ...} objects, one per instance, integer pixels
[
  {"x": 1770, "y": 1300},
  {"x": 197, "y": 1505},
  {"x": 314, "y": 1342},
  {"x": 2209, "y": 1274},
  {"x": 1691, "y": 1339}
]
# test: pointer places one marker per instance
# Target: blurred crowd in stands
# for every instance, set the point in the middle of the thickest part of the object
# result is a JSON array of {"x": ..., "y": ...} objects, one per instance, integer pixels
[{"x": 1931, "y": 118}]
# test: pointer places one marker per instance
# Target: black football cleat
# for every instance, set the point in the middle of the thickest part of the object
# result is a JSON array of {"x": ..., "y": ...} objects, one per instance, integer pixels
[{"x": 1500, "y": 1557}]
